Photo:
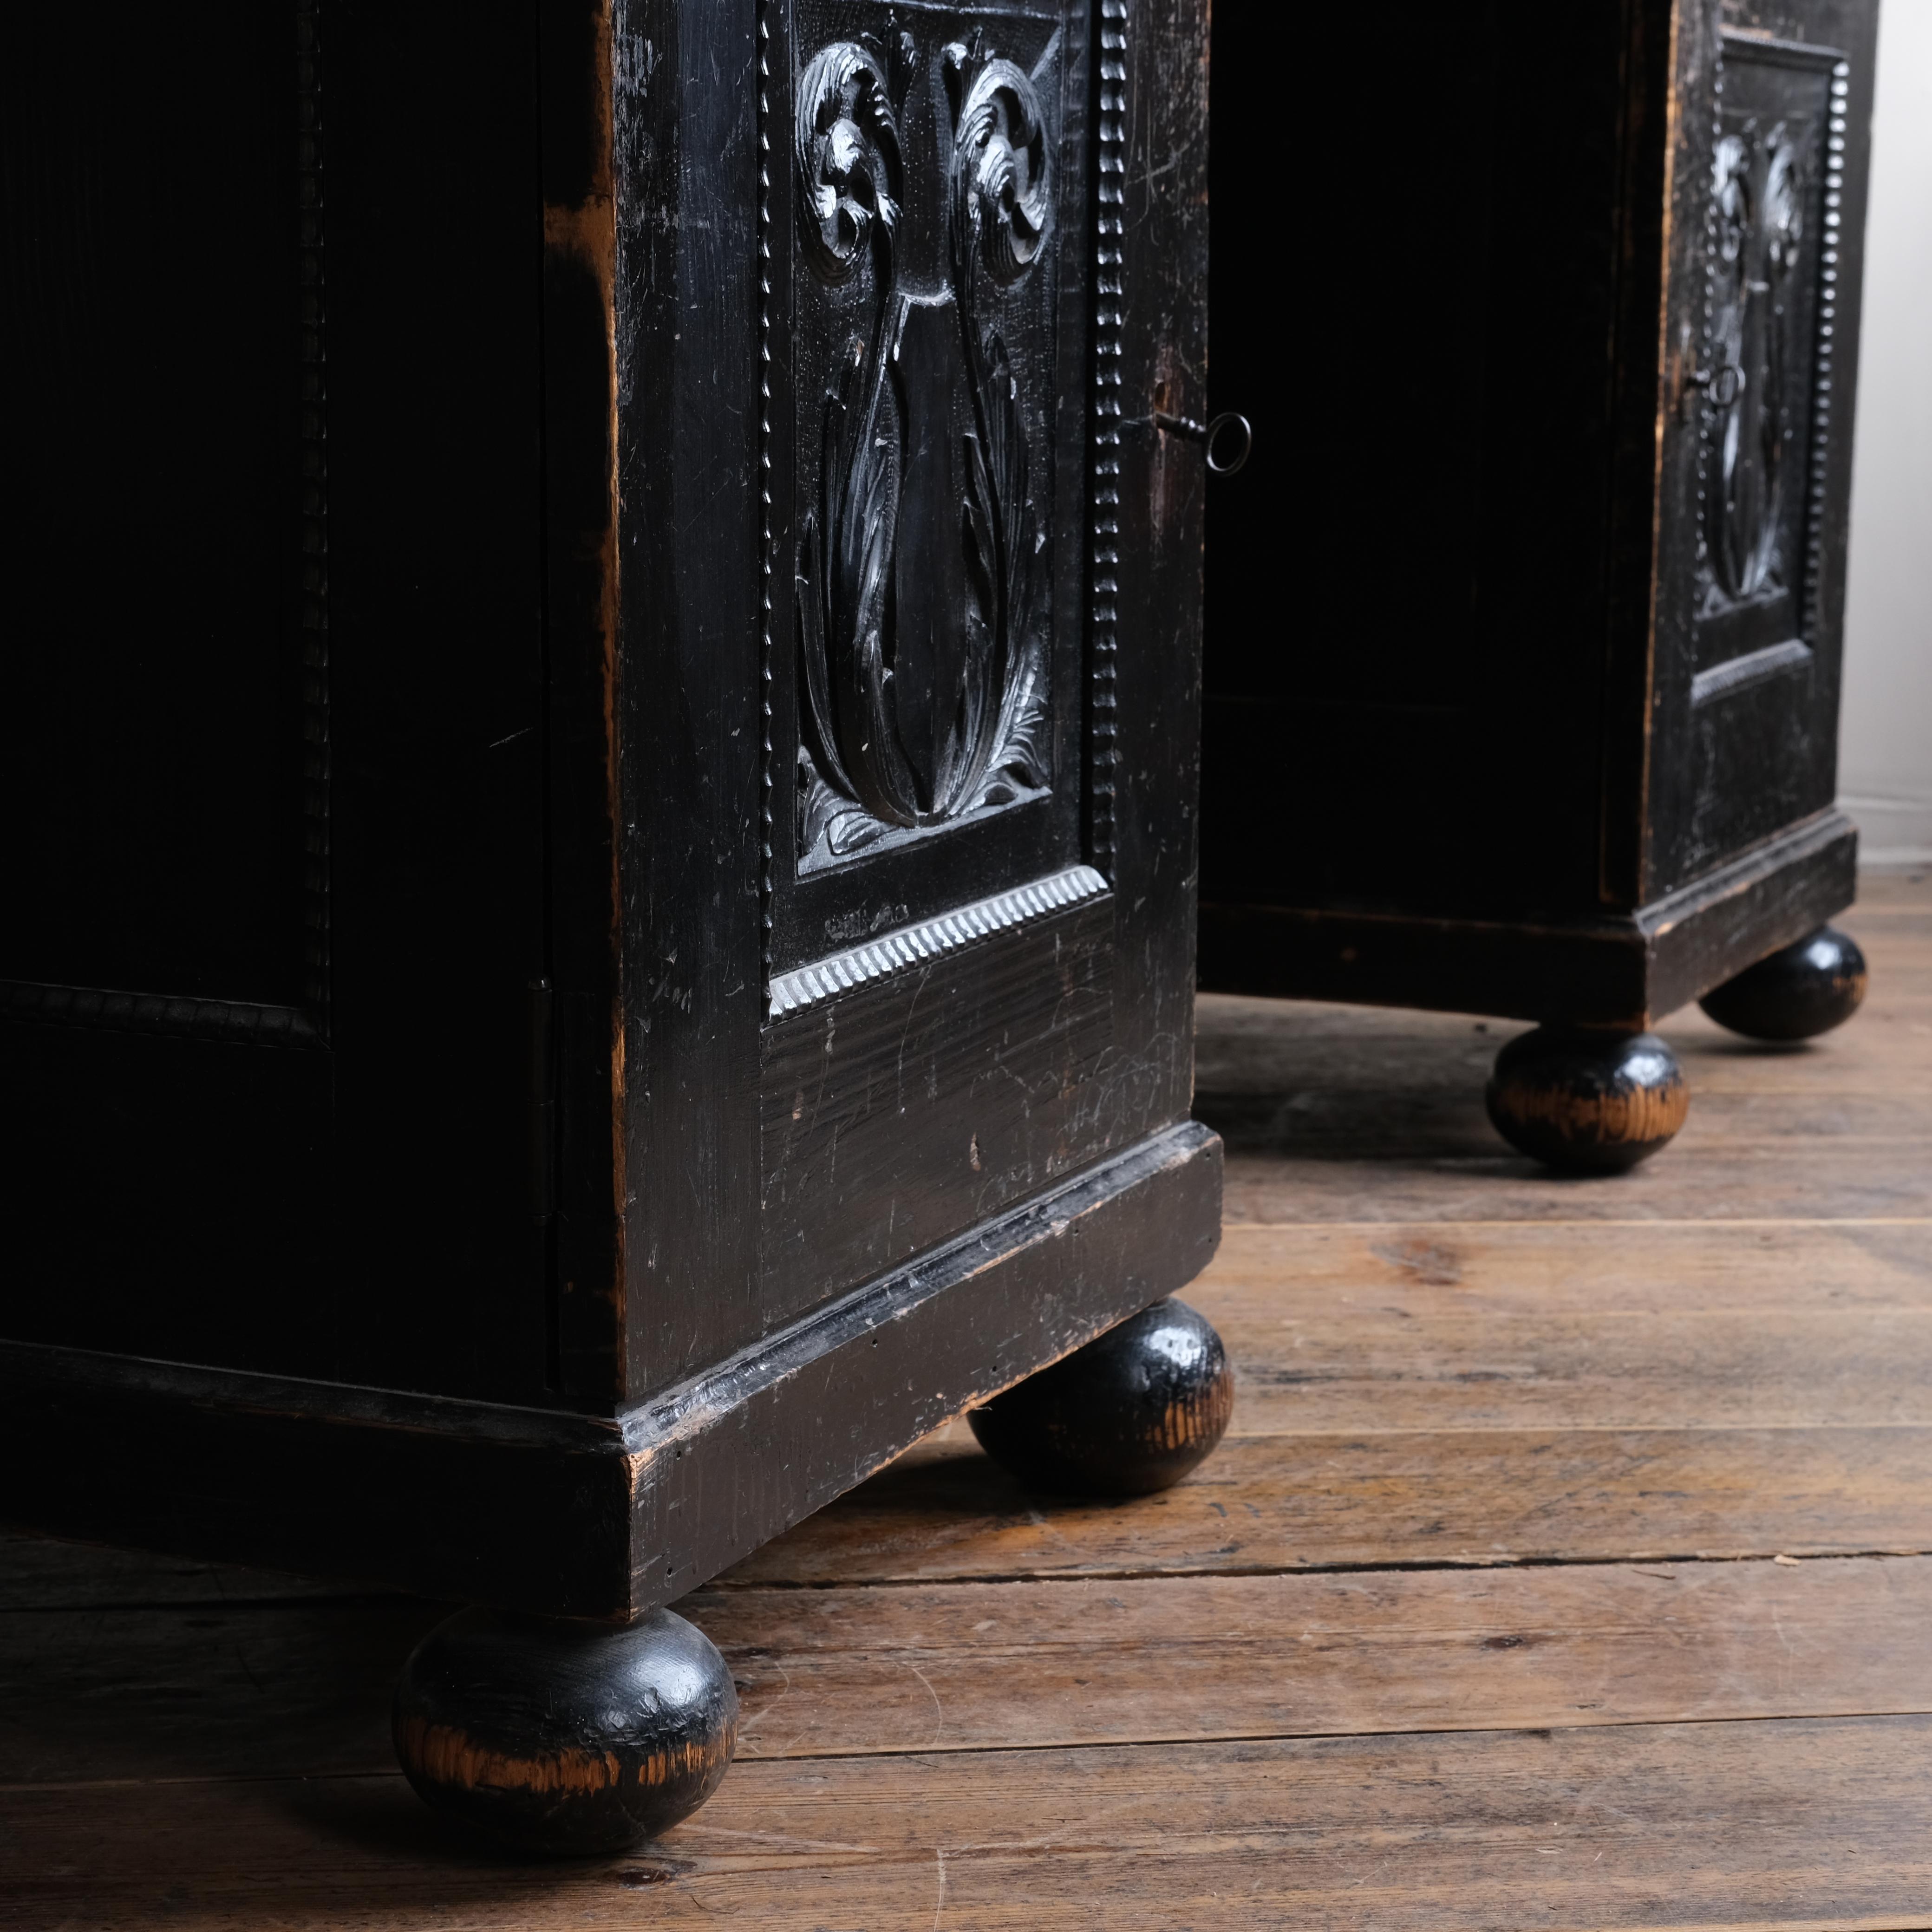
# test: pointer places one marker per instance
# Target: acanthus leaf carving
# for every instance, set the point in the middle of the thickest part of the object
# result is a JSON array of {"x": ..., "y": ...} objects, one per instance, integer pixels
[
  {"x": 1757, "y": 187},
  {"x": 984, "y": 697},
  {"x": 848, "y": 158},
  {"x": 1772, "y": 225}
]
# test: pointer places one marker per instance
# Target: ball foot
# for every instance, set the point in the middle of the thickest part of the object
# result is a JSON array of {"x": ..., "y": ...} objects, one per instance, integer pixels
[
  {"x": 1587, "y": 1100},
  {"x": 1130, "y": 1413},
  {"x": 561, "y": 1737},
  {"x": 1798, "y": 992}
]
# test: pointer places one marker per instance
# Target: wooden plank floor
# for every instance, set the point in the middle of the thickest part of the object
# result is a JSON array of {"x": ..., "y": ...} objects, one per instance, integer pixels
[{"x": 1569, "y": 1566}]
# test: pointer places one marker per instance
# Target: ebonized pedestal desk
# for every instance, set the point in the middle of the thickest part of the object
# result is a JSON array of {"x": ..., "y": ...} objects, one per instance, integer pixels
[
  {"x": 602, "y": 696},
  {"x": 1522, "y": 663}
]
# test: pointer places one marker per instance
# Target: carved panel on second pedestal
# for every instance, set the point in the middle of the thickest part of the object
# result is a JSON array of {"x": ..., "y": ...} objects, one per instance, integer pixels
[{"x": 1771, "y": 268}]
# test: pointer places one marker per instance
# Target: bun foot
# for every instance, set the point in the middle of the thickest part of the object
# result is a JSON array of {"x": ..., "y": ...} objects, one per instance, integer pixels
[
  {"x": 1131, "y": 1412},
  {"x": 1799, "y": 992},
  {"x": 1587, "y": 1100},
  {"x": 561, "y": 1737}
]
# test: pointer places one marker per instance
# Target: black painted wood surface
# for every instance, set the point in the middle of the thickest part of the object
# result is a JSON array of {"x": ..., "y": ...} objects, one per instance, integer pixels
[
  {"x": 1550, "y": 651},
  {"x": 1131, "y": 1413},
  {"x": 1587, "y": 1099},
  {"x": 1796, "y": 993},
  {"x": 566, "y": 1737},
  {"x": 487, "y": 928}
]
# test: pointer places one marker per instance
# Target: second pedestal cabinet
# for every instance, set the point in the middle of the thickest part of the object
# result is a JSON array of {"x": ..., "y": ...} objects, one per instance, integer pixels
[{"x": 1524, "y": 621}]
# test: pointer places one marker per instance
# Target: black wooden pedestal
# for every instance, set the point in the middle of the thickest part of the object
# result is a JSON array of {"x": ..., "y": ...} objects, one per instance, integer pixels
[
  {"x": 1524, "y": 618},
  {"x": 600, "y": 794}
]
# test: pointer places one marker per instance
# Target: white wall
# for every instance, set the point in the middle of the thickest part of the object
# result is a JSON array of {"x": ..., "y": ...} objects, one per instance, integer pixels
[{"x": 1885, "y": 748}]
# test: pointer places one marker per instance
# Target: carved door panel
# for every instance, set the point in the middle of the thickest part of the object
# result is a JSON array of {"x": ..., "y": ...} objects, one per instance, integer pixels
[
  {"x": 944, "y": 438},
  {"x": 925, "y": 212},
  {"x": 1756, "y": 456}
]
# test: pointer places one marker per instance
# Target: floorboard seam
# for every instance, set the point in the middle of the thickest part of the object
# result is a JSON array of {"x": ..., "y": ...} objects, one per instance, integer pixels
[
  {"x": 1554, "y": 1225},
  {"x": 1090, "y": 1745},
  {"x": 1317, "y": 1569}
]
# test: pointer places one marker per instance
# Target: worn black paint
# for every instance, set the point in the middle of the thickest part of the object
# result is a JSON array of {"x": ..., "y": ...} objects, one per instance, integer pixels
[
  {"x": 1795, "y": 993},
  {"x": 404, "y": 1179},
  {"x": 1611, "y": 968},
  {"x": 1587, "y": 1099},
  {"x": 278, "y": 1237},
  {"x": 1502, "y": 745},
  {"x": 1129, "y": 1413},
  {"x": 865, "y": 1097},
  {"x": 561, "y": 1737},
  {"x": 276, "y": 686},
  {"x": 590, "y": 1515}
]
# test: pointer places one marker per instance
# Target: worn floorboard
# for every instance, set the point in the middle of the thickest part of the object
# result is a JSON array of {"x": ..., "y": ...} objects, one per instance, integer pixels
[
  {"x": 1464, "y": 1496},
  {"x": 1786, "y": 1823},
  {"x": 117, "y": 1695},
  {"x": 1569, "y": 1566}
]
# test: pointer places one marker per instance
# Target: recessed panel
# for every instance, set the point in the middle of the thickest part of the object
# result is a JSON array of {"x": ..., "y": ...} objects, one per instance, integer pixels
[
  {"x": 927, "y": 224},
  {"x": 151, "y": 400},
  {"x": 1771, "y": 266}
]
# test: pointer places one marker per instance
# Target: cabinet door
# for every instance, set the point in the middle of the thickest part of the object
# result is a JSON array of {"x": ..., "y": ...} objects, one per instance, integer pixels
[
  {"x": 1768, "y": 205},
  {"x": 952, "y": 965},
  {"x": 269, "y": 849}
]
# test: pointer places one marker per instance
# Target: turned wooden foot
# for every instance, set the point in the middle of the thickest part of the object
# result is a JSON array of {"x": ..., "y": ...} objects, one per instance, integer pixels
[
  {"x": 1799, "y": 992},
  {"x": 564, "y": 1737},
  {"x": 1131, "y": 1412},
  {"x": 1586, "y": 1100}
]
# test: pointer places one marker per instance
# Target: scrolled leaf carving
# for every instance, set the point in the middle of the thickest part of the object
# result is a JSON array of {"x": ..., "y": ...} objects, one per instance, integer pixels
[
  {"x": 846, "y": 141},
  {"x": 1002, "y": 165},
  {"x": 985, "y": 714},
  {"x": 1758, "y": 196}
]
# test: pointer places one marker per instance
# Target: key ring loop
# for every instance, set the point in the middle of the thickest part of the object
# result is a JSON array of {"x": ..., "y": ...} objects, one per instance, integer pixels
[{"x": 1229, "y": 419}]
